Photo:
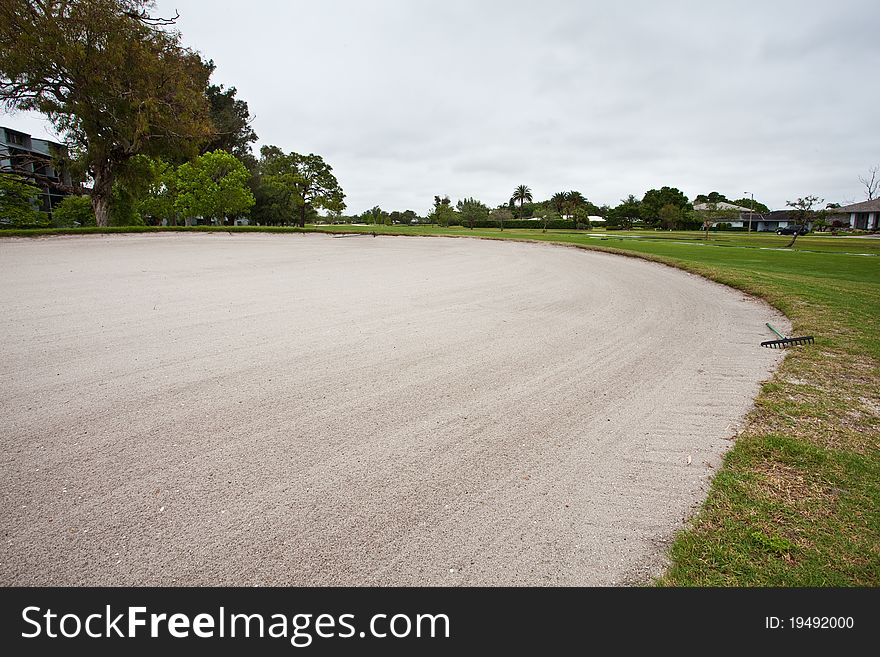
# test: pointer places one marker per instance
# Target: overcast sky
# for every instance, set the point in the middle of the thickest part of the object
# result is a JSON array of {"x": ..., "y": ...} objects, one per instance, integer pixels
[{"x": 408, "y": 99}]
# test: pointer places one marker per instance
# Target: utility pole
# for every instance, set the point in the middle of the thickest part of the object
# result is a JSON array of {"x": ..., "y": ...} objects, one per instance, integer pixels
[{"x": 753, "y": 210}]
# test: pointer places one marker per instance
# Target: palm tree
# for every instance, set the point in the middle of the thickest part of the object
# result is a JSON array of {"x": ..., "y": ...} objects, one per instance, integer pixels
[
  {"x": 575, "y": 200},
  {"x": 522, "y": 194},
  {"x": 559, "y": 201}
]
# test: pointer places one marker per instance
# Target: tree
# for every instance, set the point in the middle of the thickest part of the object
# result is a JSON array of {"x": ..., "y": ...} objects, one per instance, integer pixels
[
  {"x": 442, "y": 213},
  {"x": 625, "y": 214},
  {"x": 549, "y": 214},
  {"x": 213, "y": 186},
  {"x": 559, "y": 202},
  {"x": 803, "y": 213},
  {"x": 115, "y": 81},
  {"x": 232, "y": 123},
  {"x": 521, "y": 194},
  {"x": 471, "y": 211},
  {"x": 73, "y": 211},
  {"x": 871, "y": 181},
  {"x": 711, "y": 197},
  {"x": 655, "y": 199},
  {"x": 300, "y": 183},
  {"x": 500, "y": 215},
  {"x": 713, "y": 215},
  {"x": 154, "y": 187},
  {"x": 376, "y": 215},
  {"x": 752, "y": 205},
  {"x": 670, "y": 216},
  {"x": 18, "y": 202},
  {"x": 574, "y": 202}
]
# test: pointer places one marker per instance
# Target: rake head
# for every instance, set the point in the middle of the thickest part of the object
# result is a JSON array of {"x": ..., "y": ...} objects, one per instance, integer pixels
[{"x": 786, "y": 342}]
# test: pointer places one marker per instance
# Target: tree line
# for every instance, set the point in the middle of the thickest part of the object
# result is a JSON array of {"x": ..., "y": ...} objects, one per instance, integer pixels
[
  {"x": 156, "y": 140},
  {"x": 666, "y": 207}
]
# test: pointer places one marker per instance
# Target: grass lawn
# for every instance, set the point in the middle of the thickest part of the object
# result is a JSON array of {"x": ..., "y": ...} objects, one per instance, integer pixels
[{"x": 797, "y": 500}]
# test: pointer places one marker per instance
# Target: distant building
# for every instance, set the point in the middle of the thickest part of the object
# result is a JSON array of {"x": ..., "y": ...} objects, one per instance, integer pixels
[
  {"x": 742, "y": 217},
  {"x": 36, "y": 160},
  {"x": 864, "y": 215},
  {"x": 721, "y": 205}
]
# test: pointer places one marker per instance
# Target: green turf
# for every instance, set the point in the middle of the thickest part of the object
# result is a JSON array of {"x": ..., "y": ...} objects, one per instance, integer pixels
[{"x": 797, "y": 499}]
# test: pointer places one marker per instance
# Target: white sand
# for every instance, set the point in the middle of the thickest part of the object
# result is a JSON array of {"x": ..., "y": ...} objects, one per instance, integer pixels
[{"x": 300, "y": 409}]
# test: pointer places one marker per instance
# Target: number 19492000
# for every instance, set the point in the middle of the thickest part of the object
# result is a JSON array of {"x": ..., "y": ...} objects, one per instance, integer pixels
[{"x": 810, "y": 622}]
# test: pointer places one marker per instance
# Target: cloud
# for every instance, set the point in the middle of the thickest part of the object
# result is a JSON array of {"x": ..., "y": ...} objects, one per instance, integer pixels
[{"x": 406, "y": 100}]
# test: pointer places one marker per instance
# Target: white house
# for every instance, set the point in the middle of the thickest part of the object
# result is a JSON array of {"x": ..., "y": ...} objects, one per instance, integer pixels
[{"x": 721, "y": 205}]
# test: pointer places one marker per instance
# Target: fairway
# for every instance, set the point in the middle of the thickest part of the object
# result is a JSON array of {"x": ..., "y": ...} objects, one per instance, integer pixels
[{"x": 257, "y": 409}]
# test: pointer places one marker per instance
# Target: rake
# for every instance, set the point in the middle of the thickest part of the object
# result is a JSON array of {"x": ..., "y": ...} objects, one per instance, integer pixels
[{"x": 783, "y": 342}]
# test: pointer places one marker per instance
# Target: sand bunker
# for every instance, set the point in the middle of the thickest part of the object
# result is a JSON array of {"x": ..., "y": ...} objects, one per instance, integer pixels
[{"x": 253, "y": 409}]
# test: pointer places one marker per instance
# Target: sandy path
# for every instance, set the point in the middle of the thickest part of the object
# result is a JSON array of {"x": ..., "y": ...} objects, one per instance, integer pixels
[{"x": 267, "y": 409}]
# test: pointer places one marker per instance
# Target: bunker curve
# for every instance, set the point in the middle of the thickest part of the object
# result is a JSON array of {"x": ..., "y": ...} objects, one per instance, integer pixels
[{"x": 212, "y": 409}]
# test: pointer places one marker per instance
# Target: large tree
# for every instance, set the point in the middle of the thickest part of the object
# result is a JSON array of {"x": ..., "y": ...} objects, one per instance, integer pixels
[
  {"x": 113, "y": 80},
  {"x": 443, "y": 214},
  {"x": 624, "y": 215},
  {"x": 711, "y": 197},
  {"x": 750, "y": 203},
  {"x": 656, "y": 199},
  {"x": 213, "y": 186},
  {"x": 232, "y": 123},
  {"x": 559, "y": 202},
  {"x": 301, "y": 183},
  {"x": 472, "y": 211},
  {"x": 575, "y": 205},
  {"x": 520, "y": 195}
]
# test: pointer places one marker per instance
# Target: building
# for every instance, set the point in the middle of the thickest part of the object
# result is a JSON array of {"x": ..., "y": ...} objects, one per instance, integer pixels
[
  {"x": 37, "y": 161},
  {"x": 760, "y": 222},
  {"x": 721, "y": 205},
  {"x": 863, "y": 216}
]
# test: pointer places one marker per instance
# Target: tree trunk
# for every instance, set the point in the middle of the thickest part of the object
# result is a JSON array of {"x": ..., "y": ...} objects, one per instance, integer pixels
[
  {"x": 302, "y": 216},
  {"x": 102, "y": 190}
]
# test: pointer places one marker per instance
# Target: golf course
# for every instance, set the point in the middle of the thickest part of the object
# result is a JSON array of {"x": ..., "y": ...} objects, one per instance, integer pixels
[{"x": 794, "y": 501}]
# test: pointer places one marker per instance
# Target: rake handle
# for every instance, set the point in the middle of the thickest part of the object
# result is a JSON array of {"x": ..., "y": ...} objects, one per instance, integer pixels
[{"x": 770, "y": 326}]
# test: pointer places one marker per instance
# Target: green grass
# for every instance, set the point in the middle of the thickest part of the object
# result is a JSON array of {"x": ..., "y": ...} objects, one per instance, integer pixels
[{"x": 797, "y": 499}]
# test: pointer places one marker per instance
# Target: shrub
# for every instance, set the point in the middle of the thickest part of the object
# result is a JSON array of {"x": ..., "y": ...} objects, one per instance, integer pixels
[
  {"x": 18, "y": 203},
  {"x": 73, "y": 211}
]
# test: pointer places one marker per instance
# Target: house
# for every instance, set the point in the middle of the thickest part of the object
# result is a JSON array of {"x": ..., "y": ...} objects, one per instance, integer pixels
[
  {"x": 759, "y": 222},
  {"x": 39, "y": 162},
  {"x": 721, "y": 205},
  {"x": 864, "y": 215},
  {"x": 772, "y": 221},
  {"x": 738, "y": 216}
]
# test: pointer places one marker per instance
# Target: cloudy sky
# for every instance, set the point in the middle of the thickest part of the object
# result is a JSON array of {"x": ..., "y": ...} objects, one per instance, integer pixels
[{"x": 408, "y": 99}]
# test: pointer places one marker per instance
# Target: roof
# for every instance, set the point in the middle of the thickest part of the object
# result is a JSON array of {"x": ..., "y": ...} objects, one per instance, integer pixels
[
  {"x": 721, "y": 205},
  {"x": 864, "y": 206}
]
